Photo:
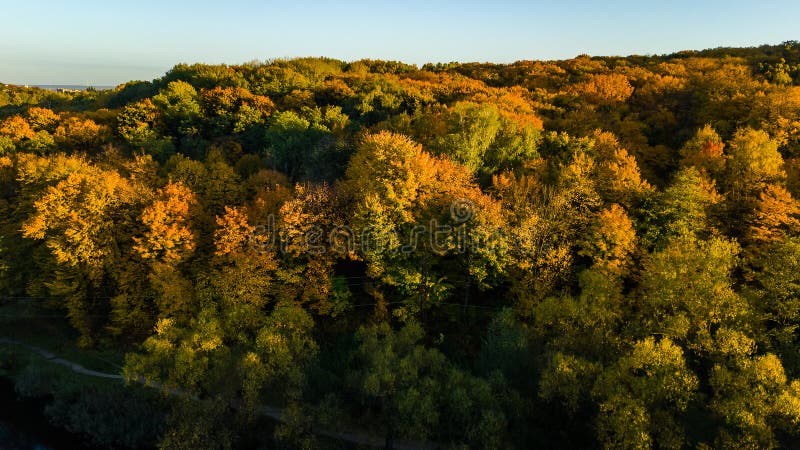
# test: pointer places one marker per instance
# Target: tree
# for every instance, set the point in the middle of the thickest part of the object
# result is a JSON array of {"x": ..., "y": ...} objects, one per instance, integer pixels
[
  {"x": 605, "y": 89},
  {"x": 214, "y": 366},
  {"x": 284, "y": 349},
  {"x": 220, "y": 185},
  {"x": 233, "y": 110},
  {"x": 776, "y": 297},
  {"x": 554, "y": 214},
  {"x": 82, "y": 135},
  {"x": 705, "y": 151},
  {"x": 611, "y": 241},
  {"x": 79, "y": 219},
  {"x": 244, "y": 269},
  {"x": 580, "y": 334},
  {"x": 311, "y": 222},
  {"x": 137, "y": 121},
  {"x": 179, "y": 109},
  {"x": 617, "y": 173},
  {"x": 775, "y": 216},
  {"x": 685, "y": 208},
  {"x": 43, "y": 119},
  {"x": 398, "y": 380},
  {"x": 16, "y": 128},
  {"x": 480, "y": 135},
  {"x": 168, "y": 238},
  {"x": 398, "y": 190},
  {"x": 643, "y": 396},
  {"x": 290, "y": 141},
  {"x": 754, "y": 163},
  {"x": 686, "y": 293},
  {"x": 755, "y": 401}
]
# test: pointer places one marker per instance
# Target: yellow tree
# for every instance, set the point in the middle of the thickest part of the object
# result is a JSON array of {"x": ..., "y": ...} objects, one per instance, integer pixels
[
  {"x": 14, "y": 130},
  {"x": 685, "y": 208},
  {"x": 76, "y": 134},
  {"x": 618, "y": 177},
  {"x": 307, "y": 222},
  {"x": 32, "y": 135},
  {"x": 400, "y": 194},
  {"x": 605, "y": 89},
  {"x": 686, "y": 294},
  {"x": 80, "y": 220},
  {"x": 643, "y": 395},
  {"x": 168, "y": 240},
  {"x": 169, "y": 237},
  {"x": 610, "y": 241},
  {"x": 137, "y": 122},
  {"x": 243, "y": 276},
  {"x": 73, "y": 217},
  {"x": 550, "y": 208},
  {"x": 754, "y": 163},
  {"x": 43, "y": 119},
  {"x": 775, "y": 216},
  {"x": 755, "y": 400},
  {"x": 705, "y": 151},
  {"x": 17, "y": 128}
]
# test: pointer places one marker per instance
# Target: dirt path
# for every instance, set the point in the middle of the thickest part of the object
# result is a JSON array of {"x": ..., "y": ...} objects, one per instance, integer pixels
[
  {"x": 354, "y": 437},
  {"x": 75, "y": 367}
]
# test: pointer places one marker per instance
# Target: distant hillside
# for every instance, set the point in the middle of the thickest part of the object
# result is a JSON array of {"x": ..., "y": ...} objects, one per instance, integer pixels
[{"x": 75, "y": 87}]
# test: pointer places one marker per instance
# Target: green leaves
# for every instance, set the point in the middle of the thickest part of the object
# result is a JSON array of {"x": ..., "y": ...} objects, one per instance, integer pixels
[{"x": 410, "y": 388}]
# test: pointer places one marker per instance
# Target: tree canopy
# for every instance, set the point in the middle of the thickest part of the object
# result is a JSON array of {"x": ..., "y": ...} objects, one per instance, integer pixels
[{"x": 594, "y": 252}]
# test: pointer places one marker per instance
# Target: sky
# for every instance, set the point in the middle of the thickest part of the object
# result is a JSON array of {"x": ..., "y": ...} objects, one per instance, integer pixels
[{"x": 108, "y": 42}]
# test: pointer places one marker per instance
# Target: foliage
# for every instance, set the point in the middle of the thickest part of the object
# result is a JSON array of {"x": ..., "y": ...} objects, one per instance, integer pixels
[{"x": 600, "y": 251}]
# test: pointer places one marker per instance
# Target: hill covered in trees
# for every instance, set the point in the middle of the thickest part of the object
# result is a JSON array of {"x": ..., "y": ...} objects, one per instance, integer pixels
[{"x": 601, "y": 251}]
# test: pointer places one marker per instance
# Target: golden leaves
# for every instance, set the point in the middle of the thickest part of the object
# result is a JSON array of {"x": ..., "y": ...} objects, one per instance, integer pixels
[
  {"x": 776, "y": 215},
  {"x": 42, "y": 119},
  {"x": 80, "y": 134},
  {"x": 74, "y": 217},
  {"x": 168, "y": 237},
  {"x": 16, "y": 128},
  {"x": 705, "y": 151},
  {"x": 605, "y": 88},
  {"x": 233, "y": 232},
  {"x": 610, "y": 241}
]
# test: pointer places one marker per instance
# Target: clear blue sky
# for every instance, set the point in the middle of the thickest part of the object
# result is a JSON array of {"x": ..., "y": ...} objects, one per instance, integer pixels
[{"x": 109, "y": 42}]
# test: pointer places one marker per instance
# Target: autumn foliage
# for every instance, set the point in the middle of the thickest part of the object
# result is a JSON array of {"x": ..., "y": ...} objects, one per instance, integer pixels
[{"x": 597, "y": 252}]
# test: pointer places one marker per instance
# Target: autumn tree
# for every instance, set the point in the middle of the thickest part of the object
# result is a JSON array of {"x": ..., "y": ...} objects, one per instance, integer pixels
[
  {"x": 754, "y": 162},
  {"x": 243, "y": 275},
  {"x": 76, "y": 134},
  {"x": 43, "y": 119},
  {"x": 168, "y": 240},
  {"x": 643, "y": 396},
  {"x": 775, "y": 216},
  {"x": 776, "y": 297},
  {"x": 313, "y": 238},
  {"x": 233, "y": 110},
  {"x": 78, "y": 219},
  {"x": 413, "y": 188},
  {"x": 480, "y": 136},
  {"x": 688, "y": 207},
  {"x": 605, "y": 89},
  {"x": 611, "y": 241},
  {"x": 705, "y": 150},
  {"x": 617, "y": 172}
]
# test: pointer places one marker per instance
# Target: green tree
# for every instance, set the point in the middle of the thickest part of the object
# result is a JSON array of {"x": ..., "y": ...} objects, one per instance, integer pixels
[{"x": 643, "y": 396}]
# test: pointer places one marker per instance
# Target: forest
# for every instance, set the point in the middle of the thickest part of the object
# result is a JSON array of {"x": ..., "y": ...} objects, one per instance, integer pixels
[{"x": 593, "y": 252}]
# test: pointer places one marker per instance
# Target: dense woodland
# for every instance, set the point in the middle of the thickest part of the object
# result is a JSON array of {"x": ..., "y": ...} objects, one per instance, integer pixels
[{"x": 622, "y": 268}]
